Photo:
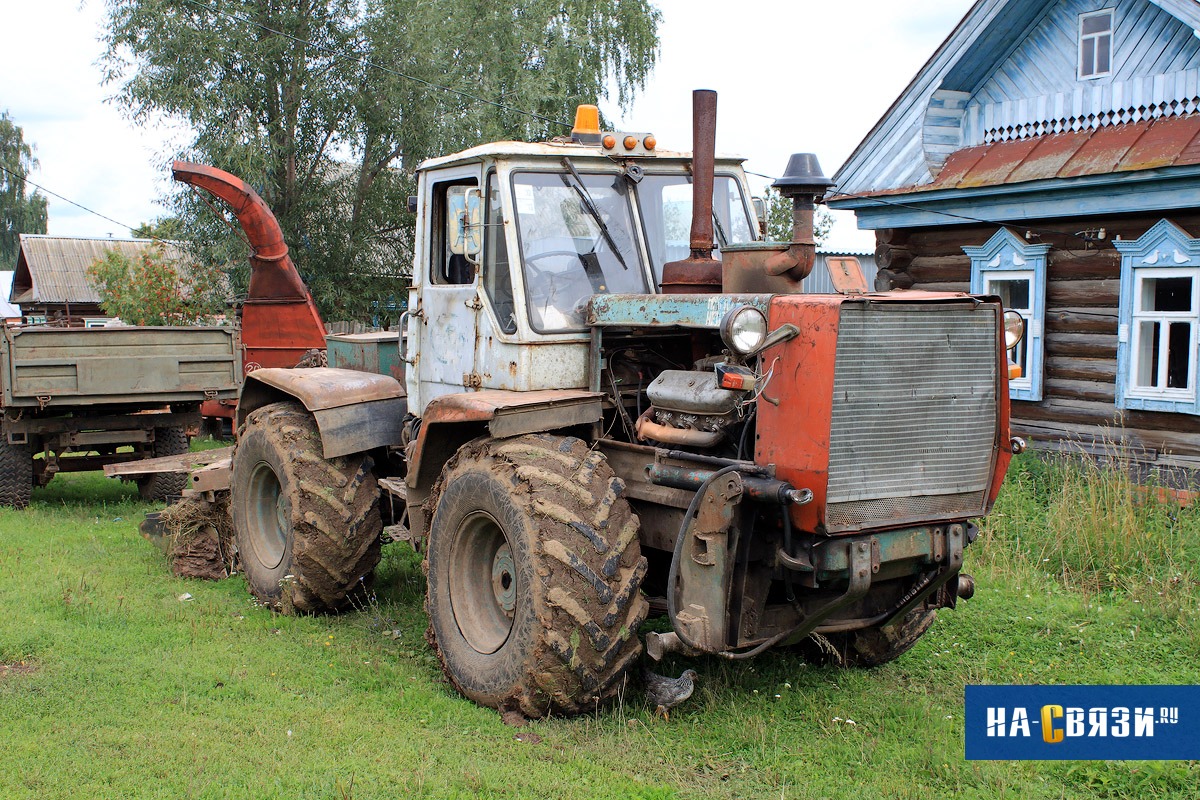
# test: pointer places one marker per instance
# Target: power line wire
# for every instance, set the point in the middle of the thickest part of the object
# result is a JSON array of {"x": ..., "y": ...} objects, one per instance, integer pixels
[
  {"x": 878, "y": 199},
  {"x": 65, "y": 199},
  {"x": 368, "y": 63}
]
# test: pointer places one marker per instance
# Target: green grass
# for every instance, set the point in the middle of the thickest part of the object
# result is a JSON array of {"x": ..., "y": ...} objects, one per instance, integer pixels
[{"x": 127, "y": 690}]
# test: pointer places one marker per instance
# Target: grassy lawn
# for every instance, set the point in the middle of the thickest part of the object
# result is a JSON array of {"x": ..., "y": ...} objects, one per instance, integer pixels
[{"x": 122, "y": 681}]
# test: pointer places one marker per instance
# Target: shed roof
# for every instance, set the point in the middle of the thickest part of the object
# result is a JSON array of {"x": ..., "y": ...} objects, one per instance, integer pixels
[{"x": 53, "y": 269}]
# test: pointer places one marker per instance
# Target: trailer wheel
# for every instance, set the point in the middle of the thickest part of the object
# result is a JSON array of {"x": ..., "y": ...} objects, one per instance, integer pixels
[
  {"x": 535, "y": 571},
  {"x": 161, "y": 485},
  {"x": 306, "y": 527},
  {"x": 16, "y": 474},
  {"x": 869, "y": 647}
]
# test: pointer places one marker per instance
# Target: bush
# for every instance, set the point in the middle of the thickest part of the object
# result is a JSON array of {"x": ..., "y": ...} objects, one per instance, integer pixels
[{"x": 151, "y": 289}]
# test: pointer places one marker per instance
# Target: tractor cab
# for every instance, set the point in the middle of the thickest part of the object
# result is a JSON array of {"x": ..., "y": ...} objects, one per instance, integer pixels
[{"x": 514, "y": 239}]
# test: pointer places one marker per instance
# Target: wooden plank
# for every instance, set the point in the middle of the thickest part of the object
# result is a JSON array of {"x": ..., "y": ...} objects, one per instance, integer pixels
[
  {"x": 1082, "y": 320},
  {"x": 1081, "y": 345},
  {"x": 1085, "y": 265},
  {"x": 180, "y": 463},
  {"x": 1088, "y": 293},
  {"x": 1080, "y": 390},
  {"x": 940, "y": 269},
  {"x": 1082, "y": 369}
]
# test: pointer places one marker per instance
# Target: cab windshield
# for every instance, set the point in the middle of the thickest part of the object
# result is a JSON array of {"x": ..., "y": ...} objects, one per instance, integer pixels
[
  {"x": 666, "y": 205},
  {"x": 577, "y": 239}
]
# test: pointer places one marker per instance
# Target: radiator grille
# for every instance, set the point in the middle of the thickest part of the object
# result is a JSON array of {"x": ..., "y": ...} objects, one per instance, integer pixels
[{"x": 914, "y": 413}]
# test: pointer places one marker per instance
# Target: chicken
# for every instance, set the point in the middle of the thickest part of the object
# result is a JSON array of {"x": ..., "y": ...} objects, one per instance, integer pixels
[{"x": 666, "y": 693}]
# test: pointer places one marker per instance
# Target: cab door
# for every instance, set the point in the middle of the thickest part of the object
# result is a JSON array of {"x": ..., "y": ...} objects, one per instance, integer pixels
[{"x": 443, "y": 304}]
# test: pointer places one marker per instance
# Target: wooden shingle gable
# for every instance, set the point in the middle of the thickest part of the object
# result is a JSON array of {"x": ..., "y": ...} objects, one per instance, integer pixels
[{"x": 1008, "y": 72}]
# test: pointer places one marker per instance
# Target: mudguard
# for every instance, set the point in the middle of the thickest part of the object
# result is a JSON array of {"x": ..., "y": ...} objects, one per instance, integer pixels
[{"x": 355, "y": 411}]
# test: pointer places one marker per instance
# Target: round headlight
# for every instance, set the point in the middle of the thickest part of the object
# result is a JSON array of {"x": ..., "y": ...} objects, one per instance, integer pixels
[
  {"x": 1014, "y": 329},
  {"x": 743, "y": 330}
]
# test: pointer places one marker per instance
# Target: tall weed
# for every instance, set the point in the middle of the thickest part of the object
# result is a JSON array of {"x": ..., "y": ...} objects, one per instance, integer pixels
[{"x": 1091, "y": 524}]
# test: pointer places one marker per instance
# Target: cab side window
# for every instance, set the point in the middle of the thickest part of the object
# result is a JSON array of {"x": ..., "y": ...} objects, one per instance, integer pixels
[
  {"x": 448, "y": 267},
  {"x": 497, "y": 271}
]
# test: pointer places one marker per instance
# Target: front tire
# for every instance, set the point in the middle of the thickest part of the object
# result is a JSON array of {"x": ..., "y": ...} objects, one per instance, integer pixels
[
  {"x": 306, "y": 528},
  {"x": 535, "y": 570},
  {"x": 869, "y": 647}
]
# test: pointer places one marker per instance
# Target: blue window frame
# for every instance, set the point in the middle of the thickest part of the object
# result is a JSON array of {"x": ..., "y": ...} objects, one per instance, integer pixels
[
  {"x": 1007, "y": 266},
  {"x": 1159, "y": 321}
]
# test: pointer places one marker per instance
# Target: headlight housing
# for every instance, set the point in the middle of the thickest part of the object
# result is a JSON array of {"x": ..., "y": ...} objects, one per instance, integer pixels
[
  {"x": 1014, "y": 329},
  {"x": 743, "y": 330}
]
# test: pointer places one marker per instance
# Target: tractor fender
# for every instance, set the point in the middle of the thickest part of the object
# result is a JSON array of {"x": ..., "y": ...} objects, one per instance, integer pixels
[
  {"x": 355, "y": 411},
  {"x": 452, "y": 420}
]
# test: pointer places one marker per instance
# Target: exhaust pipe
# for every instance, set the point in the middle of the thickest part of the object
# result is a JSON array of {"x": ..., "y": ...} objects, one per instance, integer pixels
[{"x": 700, "y": 273}]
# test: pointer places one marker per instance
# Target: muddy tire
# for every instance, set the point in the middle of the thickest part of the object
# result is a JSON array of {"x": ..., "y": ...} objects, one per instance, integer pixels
[
  {"x": 306, "y": 527},
  {"x": 869, "y": 647},
  {"x": 16, "y": 474},
  {"x": 534, "y": 570},
  {"x": 161, "y": 485}
]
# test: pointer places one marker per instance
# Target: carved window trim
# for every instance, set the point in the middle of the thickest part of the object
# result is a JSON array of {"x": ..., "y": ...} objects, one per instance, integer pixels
[
  {"x": 1008, "y": 257},
  {"x": 1164, "y": 252}
]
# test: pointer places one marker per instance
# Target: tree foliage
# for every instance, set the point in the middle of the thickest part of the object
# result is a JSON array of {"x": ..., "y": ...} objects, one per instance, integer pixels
[
  {"x": 154, "y": 289},
  {"x": 284, "y": 95},
  {"x": 19, "y": 212}
]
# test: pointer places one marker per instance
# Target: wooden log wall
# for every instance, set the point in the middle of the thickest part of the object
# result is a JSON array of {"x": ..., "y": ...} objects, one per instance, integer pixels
[{"x": 1080, "y": 336}]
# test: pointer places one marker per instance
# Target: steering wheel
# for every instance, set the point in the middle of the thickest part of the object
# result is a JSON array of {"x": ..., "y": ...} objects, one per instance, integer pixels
[
  {"x": 543, "y": 289},
  {"x": 550, "y": 254},
  {"x": 547, "y": 291}
]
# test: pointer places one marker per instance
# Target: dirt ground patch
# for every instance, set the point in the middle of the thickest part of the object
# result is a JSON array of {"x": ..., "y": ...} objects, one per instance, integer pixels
[{"x": 17, "y": 668}]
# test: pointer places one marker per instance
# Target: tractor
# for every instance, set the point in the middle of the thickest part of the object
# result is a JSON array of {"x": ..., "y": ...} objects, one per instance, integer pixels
[{"x": 618, "y": 403}]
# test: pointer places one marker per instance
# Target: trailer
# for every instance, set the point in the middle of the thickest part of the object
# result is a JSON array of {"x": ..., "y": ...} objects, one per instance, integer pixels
[{"x": 78, "y": 399}]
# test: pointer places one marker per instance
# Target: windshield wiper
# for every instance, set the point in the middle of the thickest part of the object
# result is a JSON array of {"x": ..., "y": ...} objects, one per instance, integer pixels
[{"x": 590, "y": 205}]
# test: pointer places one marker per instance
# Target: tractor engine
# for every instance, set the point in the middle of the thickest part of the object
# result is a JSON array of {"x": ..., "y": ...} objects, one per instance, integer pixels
[{"x": 690, "y": 407}]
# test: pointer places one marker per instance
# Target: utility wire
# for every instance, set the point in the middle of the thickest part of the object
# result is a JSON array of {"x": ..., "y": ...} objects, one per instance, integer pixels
[
  {"x": 368, "y": 63},
  {"x": 877, "y": 199},
  {"x": 65, "y": 199}
]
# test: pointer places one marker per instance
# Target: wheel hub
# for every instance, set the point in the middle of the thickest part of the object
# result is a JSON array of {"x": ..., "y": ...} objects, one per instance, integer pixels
[
  {"x": 268, "y": 517},
  {"x": 504, "y": 582},
  {"x": 483, "y": 582}
]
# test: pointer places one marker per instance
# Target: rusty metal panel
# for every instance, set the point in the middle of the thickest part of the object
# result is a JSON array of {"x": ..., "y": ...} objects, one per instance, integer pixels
[
  {"x": 1162, "y": 143},
  {"x": 687, "y": 311},
  {"x": 998, "y": 163},
  {"x": 1051, "y": 155},
  {"x": 362, "y": 426},
  {"x": 377, "y": 352},
  {"x": 958, "y": 164},
  {"x": 517, "y": 421},
  {"x": 1103, "y": 150},
  {"x": 328, "y": 388},
  {"x": 482, "y": 406}
]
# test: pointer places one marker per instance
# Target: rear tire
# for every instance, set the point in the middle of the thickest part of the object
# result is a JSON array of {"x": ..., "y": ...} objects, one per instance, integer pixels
[
  {"x": 161, "y": 485},
  {"x": 306, "y": 527},
  {"x": 535, "y": 571},
  {"x": 869, "y": 647},
  {"x": 16, "y": 474}
]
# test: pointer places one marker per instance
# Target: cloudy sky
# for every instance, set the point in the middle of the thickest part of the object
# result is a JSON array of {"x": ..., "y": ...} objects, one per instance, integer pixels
[{"x": 791, "y": 76}]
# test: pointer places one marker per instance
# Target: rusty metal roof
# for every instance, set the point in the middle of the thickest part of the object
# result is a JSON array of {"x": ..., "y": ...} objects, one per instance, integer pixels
[
  {"x": 1151, "y": 144},
  {"x": 53, "y": 269}
]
